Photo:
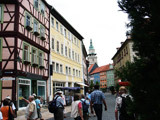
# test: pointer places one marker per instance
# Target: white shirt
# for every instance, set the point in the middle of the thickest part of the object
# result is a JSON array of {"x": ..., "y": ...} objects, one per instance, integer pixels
[{"x": 74, "y": 109}]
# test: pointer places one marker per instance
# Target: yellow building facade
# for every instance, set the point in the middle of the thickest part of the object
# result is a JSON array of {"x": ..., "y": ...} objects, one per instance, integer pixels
[
  {"x": 66, "y": 53},
  {"x": 124, "y": 53}
]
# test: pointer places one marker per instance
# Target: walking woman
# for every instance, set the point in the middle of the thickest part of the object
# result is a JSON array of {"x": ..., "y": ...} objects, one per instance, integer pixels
[
  {"x": 76, "y": 108},
  {"x": 5, "y": 110}
]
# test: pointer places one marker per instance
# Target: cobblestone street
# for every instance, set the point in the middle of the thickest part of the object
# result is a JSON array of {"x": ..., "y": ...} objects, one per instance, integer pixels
[{"x": 107, "y": 115}]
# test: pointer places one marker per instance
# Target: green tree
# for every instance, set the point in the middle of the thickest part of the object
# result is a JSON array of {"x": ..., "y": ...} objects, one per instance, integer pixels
[{"x": 144, "y": 73}]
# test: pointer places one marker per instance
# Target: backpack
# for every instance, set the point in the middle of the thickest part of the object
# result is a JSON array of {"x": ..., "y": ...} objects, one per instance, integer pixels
[
  {"x": 84, "y": 106},
  {"x": 124, "y": 111},
  {"x": 52, "y": 107}
]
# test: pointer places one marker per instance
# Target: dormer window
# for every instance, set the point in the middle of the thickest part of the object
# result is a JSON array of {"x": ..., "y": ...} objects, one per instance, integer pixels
[{"x": 28, "y": 22}]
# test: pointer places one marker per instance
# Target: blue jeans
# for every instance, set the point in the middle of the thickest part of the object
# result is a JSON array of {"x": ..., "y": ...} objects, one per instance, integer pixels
[{"x": 98, "y": 111}]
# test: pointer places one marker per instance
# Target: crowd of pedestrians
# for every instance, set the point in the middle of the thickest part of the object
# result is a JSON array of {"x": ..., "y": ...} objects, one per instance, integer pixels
[{"x": 81, "y": 108}]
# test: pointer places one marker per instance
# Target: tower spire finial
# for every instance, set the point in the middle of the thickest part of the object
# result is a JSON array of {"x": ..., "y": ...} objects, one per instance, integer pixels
[{"x": 91, "y": 46}]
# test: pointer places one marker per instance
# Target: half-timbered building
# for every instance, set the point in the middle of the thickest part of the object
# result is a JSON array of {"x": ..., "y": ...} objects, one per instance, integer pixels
[{"x": 24, "y": 49}]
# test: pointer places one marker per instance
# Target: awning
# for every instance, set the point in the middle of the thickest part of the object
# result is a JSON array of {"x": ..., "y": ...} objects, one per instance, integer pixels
[
  {"x": 82, "y": 84},
  {"x": 70, "y": 88}
]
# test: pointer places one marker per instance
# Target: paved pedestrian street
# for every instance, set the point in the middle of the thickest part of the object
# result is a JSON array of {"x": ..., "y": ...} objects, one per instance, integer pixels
[{"x": 107, "y": 115}]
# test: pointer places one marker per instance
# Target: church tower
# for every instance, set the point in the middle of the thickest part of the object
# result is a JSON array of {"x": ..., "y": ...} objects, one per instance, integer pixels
[{"x": 92, "y": 58}]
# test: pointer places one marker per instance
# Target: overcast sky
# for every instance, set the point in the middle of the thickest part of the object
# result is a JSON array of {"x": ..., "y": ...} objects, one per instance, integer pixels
[{"x": 99, "y": 20}]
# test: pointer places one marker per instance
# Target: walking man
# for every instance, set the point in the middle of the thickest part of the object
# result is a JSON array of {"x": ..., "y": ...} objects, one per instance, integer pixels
[
  {"x": 31, "y": 110},
  {"x": 59, "y": 115},
  {"x": 97, "y": 99}
]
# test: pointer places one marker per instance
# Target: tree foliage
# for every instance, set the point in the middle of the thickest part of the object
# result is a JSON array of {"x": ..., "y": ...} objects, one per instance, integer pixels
[{"x": 144, "y": 73}]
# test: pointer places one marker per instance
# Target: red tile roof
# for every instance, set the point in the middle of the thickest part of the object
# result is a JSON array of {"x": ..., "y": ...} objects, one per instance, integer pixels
[
  {"x": 101, "y": 69},
  {"x": 89, "y": 69}
]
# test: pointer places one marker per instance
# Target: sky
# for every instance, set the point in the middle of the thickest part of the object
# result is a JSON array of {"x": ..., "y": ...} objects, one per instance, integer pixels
[{"x": 99, "y": 20}]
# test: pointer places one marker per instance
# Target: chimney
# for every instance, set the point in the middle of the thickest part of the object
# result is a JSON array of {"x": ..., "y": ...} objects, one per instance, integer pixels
[{"x": 117, "y": 48}]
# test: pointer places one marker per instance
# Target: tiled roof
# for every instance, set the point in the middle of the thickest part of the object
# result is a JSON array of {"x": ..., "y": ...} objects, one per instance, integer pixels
[
  {"x": 101, "y": 69},
  {"x": 90, "y": 68}
]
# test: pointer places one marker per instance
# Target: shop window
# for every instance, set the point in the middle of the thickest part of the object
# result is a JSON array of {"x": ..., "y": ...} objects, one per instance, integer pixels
[
  {"x": 42, "y": 8},
  {"x": 41, "y": 60},
  {"x": 35, "y": 27},
  {"x": 52, "y": 43},
  {"x": 1, "y": 44},
  {"x": 1, "y": 13},
  {"x": 28, "y": 22},
  {"x": 26, "y": 53},
  {"x": 36, "y": 4},
  {"x": 41, "y": 89},
  {"x": 62, "y": 49},
  {"x": 42, "y": 32},
  {"x": 24, "y": 91},
  {"x": 34, "y": 57}
]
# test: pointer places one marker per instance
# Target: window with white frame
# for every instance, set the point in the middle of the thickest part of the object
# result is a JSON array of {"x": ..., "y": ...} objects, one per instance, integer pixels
[
  {"x": 58, "y": 46},
  {"x": 73, "y": 55},
  {"x": 66, "y": 70},
  {"x": 66, "y": 50},
  {"x": 69, "y": 71},
  {"x": 53, "y": 64},
  {"x": 65, "y": 33},
  {"x": 36, "y": 4},
  {"x": 61, "y": 29},
  {"x": 26, "y": 52},
  {"x": 75, "y": 40},
  {"x": 57, "y": 67},
  {"x": 78, "y": 57},
  {"x": 69, "y": 53},
  {"x": 77, "y": 73},
  {"x": 68, "y": 35},
  {"x": 62, "y": 49},
  {"x": 52, "y": 43},
  {"x": 61, "y": 68},
  {"x": 73, "y": 72},
  {"x": 52, "y": 21},
  {"x": 42, "y": 8},
  {"x": 57, "y": 26}
]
